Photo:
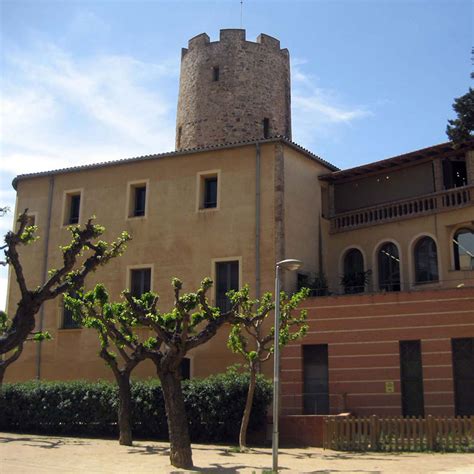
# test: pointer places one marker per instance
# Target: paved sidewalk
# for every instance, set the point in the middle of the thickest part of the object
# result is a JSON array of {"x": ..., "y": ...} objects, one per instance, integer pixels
[{"x": 50, "y": 454}]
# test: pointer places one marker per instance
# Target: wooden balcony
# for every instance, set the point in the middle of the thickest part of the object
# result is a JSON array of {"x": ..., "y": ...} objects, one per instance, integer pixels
[{"x": 404, "y": 209}]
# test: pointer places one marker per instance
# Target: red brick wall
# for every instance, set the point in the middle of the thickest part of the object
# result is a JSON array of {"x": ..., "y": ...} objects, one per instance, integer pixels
[{"x": 363, "y": 334}]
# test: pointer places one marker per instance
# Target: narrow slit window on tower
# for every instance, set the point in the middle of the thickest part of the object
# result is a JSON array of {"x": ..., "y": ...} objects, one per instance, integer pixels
[
  {"x": 215, "y": 73},
  {"x": 266, "y": 128},
  {"x": 180, "y": 132}
]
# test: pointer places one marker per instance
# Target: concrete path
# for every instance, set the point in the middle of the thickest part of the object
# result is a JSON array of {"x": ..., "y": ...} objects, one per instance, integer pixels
[{"x": 49, "y": 454}]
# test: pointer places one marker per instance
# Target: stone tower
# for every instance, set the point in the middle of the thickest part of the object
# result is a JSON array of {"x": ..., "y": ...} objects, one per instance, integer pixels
[{"x": 232, "y": 90}]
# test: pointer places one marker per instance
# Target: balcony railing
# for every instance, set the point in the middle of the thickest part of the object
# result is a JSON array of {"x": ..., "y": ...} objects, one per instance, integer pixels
[{"x": 403, "y": 209}]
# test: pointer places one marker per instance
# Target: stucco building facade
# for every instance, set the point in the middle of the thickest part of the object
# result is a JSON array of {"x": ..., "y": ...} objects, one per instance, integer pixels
[{"x": 387, "y": 247}]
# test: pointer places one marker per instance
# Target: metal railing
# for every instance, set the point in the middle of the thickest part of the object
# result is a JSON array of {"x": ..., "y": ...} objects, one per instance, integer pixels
[
  {"x": 403, "y": 209},
  {"x": 335, "y": 288}
]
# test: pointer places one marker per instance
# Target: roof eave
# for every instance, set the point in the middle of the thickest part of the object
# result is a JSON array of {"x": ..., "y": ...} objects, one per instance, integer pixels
[
  {"x": 424, "y": 154},
  {"x": 172, "y": 154}
]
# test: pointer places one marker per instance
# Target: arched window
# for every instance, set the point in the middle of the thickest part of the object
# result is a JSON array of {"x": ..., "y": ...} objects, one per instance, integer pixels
[
  {"x": 463, "y": 243},
  {"x": 389, "y": 267},
  {"x": 354, "y": 278},
  {"x": 426, "y": 261}
]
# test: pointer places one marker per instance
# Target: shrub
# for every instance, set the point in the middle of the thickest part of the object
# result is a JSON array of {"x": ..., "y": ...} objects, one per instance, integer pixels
[{"x": 214, "y": 407}]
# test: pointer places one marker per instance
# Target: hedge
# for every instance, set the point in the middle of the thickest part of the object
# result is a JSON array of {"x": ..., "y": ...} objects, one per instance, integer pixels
[{"x": 214, "y": 407}]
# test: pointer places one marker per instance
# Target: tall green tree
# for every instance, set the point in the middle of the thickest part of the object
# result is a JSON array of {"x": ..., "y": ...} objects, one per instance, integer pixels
[
  {"x": 116, "y": 328},
  {"x": 462, "y": 128},
  {"x": 252, "y": 335},
  {"x": 83, "y": 255},
  {"x": 190, "y": 323}
]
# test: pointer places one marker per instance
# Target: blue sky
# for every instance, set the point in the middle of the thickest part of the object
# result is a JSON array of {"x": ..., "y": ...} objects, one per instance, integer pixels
[{"x": 88, "y": 81}]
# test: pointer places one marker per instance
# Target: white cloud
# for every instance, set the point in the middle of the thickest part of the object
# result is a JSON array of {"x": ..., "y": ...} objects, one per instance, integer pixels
[
  {"x": 60, "y": 111},
  {"x": 316, "y": 110}
]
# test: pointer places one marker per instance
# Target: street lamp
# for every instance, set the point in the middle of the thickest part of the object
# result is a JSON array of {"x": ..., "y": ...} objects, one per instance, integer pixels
[{"x": 291, "y": 265}]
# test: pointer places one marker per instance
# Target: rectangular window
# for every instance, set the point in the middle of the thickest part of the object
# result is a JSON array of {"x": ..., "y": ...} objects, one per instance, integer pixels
[
  {"x": 140, "y": 281},
  {"x": 72, "y": 207},
  {"x": 454, "y": 173},
  {"x": 137, "y": 199},
  {"x": 463, "y": 374},
  {"x": 185, "y": 369},
  {"x": 266, "y": 128},
  {"x": 315, "y": 380},
  {"x": 227, "y": 278},
  {"x": 215, "y": 73},
  {"x": 140, "y": 201},
  {"x": 411, "y": 378},
  {"x": 210, "y": 192}
]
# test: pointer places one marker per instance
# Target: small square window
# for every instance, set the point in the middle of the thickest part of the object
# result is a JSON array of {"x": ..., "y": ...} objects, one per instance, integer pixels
[
  {"x": 140, "y": 281},
  {"x": 137, "y": 199},
  {"x": 72, "y": 208},
  {"x": 208, "y": 190}
]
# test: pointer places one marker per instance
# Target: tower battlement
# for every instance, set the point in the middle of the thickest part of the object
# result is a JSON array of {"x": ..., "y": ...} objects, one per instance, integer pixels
[
  {"x": 232, "y": 90},
  {"x": 232, "y": 36}
]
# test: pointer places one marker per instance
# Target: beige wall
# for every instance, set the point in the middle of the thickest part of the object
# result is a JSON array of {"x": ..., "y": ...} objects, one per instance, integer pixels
[
  {"x": 175, "y": 238},
  {"x": 384, "y": 187},
  {"x": 405, "y": 233},
  {"x": 302, "y": 211}
]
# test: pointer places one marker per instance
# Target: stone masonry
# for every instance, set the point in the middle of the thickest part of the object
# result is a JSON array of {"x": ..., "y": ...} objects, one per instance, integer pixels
[{"x": 229, "y": 87}]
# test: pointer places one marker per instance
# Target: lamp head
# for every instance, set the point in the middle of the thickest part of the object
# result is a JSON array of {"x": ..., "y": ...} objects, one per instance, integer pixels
[{"x": 290, "y": 264}]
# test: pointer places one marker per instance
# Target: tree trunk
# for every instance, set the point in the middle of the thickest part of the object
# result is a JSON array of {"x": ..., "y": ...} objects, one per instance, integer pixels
[
  {"x": 2, "y": 373},
  {"x": 23, "y": 324},
  {"x": 180, "y": 444},
  {"x": 248, "y": 408},
  {"x": 4, "y": 364},
  {"x": 125, "y": 408}
]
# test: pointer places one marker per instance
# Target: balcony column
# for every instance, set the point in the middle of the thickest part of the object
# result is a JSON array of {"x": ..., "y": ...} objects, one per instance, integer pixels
[
  {"x": 438, "y": 175},
  {"x": 332, "y": 204},
  {"x": 470, "y": 167}
]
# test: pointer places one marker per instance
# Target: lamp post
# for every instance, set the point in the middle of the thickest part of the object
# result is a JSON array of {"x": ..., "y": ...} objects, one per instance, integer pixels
[{"x": 291, "y": 265}]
